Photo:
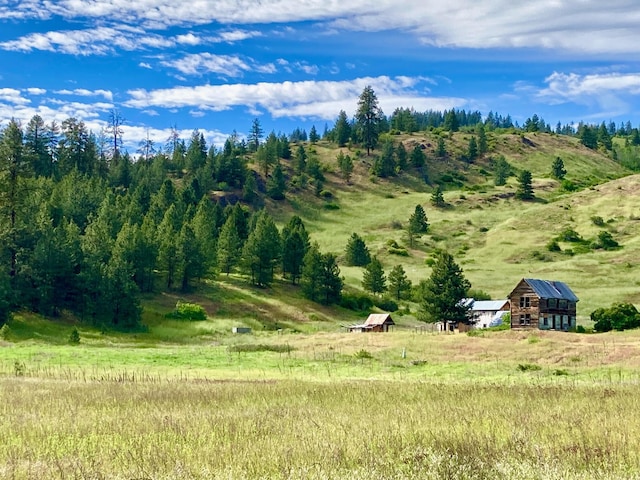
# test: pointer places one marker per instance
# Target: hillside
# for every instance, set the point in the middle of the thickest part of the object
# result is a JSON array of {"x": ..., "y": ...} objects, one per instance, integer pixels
[{"x": 496, "y": 238}]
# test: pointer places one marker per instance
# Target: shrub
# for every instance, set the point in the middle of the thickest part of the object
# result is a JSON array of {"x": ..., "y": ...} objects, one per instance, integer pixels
[
  {"x": 331, "y": 206},
  {"x": 597, "y": 221},
  {"x": 356, "y": 302},
  {"x": 529, "y": 367},
  {"x": 620, "y": 316},
  {"x": 553, "y": 246},
  {"x": 386, "y": 304},
  {"x": 363, "y": 354},
  {"x": 570, "y": 235},
  {"x": 398, "y": 251},
  {"x": 5, "y": 332},
  {"x": 188, "y": 311},
  {"x": 74, "y": 337},
  {"x": 326, "y": 194},
  {"x": 605, "y": 241}
]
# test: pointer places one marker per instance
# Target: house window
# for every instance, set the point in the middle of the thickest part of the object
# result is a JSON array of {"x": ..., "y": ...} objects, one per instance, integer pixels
[
  {"x": 562, "y": 304},
  {"x": 525, "y": 319},
  {"x": 545, "y": 321},
  {"x": 552, "y": 303},
  {"x": 525, "y": 302}
]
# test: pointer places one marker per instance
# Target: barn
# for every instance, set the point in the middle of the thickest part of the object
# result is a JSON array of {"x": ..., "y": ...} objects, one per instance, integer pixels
[{"x": 376, "y": 322}]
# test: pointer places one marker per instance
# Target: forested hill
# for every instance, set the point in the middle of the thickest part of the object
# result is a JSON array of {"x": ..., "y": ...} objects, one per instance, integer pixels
[{"x": 86, "y": 229}]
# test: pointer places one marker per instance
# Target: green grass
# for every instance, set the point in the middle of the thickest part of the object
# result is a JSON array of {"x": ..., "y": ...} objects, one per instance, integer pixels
[{"x": 316, "y": 406}]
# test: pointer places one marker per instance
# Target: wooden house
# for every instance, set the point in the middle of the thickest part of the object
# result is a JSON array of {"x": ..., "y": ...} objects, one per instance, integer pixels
[
  {"x": 543, "y": 304},
  {"x": 376, "y": 322}
]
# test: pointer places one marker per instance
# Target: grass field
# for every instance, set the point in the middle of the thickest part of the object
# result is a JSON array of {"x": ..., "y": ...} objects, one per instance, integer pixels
[{"x": 515, "y": 405}]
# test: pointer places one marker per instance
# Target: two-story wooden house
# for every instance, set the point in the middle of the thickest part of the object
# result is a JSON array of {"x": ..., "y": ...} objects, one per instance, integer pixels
[{"x": 543, "y": 304}]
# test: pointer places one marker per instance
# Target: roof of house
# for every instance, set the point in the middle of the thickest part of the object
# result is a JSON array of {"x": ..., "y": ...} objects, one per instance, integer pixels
[
  {"x": 379, "y": 319},
  {"x": 551, "y": 289},
  {"x": 487, "y": 305}
]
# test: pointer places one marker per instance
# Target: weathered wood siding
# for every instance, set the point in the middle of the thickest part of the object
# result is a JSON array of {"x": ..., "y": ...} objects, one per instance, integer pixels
[
  {"x": 540, "y": 313},
  {"x": 530, "y": 308}
]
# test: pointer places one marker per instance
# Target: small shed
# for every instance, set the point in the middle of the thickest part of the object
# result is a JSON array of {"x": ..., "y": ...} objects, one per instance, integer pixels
[
  {"x": 241, "y": 330},
  {"x": 376, "y": 322}
]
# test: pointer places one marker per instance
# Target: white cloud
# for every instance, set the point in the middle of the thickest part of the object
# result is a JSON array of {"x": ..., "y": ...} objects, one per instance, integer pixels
[
  {"x": 591, "y": 26},
  {"x": 35, "y": 91},
  {"x": 232, "y": 36},
  {"x": 318, "y": 99},
  {"x": 145, "y": 65},
  {"x": 13, "y": 96},
  {"x": 200, "y": 63},
  {"x": 607, "y": 92},
  {"x": 188, "y": 39},
  {"x": 226, "y": 65},
  {"x": 83, "y": 92}
]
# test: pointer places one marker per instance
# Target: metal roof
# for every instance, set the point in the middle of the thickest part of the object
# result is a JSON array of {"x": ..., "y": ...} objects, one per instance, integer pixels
[
  {"x": 379, "y": 319},
  {"x": 551, "y": 289},
  {"x": 488, "y": 305}
]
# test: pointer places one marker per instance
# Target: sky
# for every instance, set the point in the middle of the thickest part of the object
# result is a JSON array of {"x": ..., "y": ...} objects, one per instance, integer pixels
[{"x": 216, "y": 65}]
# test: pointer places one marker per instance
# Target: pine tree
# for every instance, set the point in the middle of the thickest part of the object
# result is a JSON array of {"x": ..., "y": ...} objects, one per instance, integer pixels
[
  {"x": 342, "y": 129},
  {"x": 295, "y": 243},
  {"x": 313, "y": 135},
  {"x": 374, "y": 279},
  {"x": 255, "y": 134},
  {"x": 417, "y": 157},
  {"x": 368, "y": 117},
  {"x": 417, "y": 224},
  {"x": 502, "y": 170},
  {"x": 557, "y": 169},
  {"x": 276, "y": 185},
  {"x": 402, "y": 157},
  {"x": 441, "y": 149},
  {"x": 312, "y": 271},
  {"x": 525, "y": 188},
  {"x": 399, "y": 284},
  {"x": 441, "y": 294},
  {"x": 483, "y": 146},
  {"x": 357, "y": 253},
  {"x": 437, "y": 198},
  {"x": 345, "y": 164},
  {"x": 472, "y": 150},
  {"x": 229, "y": 246},
  {"x": 262, "y": 250}
]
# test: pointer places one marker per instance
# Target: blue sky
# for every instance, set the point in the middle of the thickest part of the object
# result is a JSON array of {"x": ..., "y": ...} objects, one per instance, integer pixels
[{"x": 216, "y": 65}]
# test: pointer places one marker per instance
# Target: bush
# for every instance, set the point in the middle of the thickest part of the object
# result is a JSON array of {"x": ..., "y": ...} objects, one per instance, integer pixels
[
  {"x": 74, "y": 337},
  {"x": 363, "y": 354},
  {"x": 570, "y": 235},
  {"x": 356, "y": 302},
  {"x": 331, "y": 206},
  {"x": 398, "y": 251},
  {"x": 188, "y": 311},
  {"x": 553, "y": 246},
  {"x": 5, "y": 332},
  {"x": 386, "y": 304},
  {"x": 605, "y": 241},
  {"x": 620, "y": 316},
  {"x": 528, "y": 367},
  {"x": 597, "y": 221},
  {"x": 326, "y": 194}
]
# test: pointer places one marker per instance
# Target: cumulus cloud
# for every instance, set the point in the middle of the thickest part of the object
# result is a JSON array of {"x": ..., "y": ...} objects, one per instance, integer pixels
[
  {"x": 591, "y": 27},
  {"x": 200, "y": 63},
  {"x": 307, "y": 99}
]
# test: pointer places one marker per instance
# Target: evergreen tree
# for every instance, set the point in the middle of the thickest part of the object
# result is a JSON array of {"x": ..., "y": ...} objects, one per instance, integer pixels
[
  {"x": 399, "y": 284},
  {"x": 276, "y": 185},
  {"x": 441, "y": 294},
  {"x": 312, "y": 271},
  {"x": 357, "y": 253},
  {"x": 402, "y": 157},
  {"x": 417, "y": 157},
  {"x": 472, "y": 150},
  {"x": 368, "y": 117},
  {"x": 229, "y": 246},
  {"x": 502, "y": 170},
  {"x": 525, "y": 187},
  {"x": 342, "y": 129},
  {"x": 250, "y": 188},
  {"x": 191, "y": 261},
  {"x": 206, "y": 232},
  {"x": 557, "y": 169},
  {"x": 313, "y": 135},
  {"x": 331, "y": 281},
  {"x": 483, "y": 146},
  {"x": 373, "y": 278},
  {"x": 196, "y": 154},
  {"x": 345, "y": 164},
  {"x": 262, "y": 250},
  {"x": 441, "y": 149},
  {"x": 417, "y": 224},
  {"x": 604, "y": 138},
  {"x": 295, "y": 243},
  {"x": 451, "y": 121},
  {"x": 437, "y": 198},
  {"x": 300, "y": 160},
  {"x": 255, "y": 134},
  {"x": 168, "y": 248},
  {"x": 384, "y": 165}
]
